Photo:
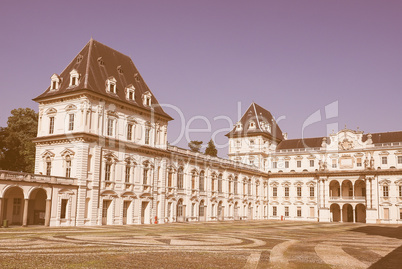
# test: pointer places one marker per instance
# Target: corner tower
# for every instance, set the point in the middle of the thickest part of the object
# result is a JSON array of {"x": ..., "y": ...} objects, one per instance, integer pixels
[{"x": 254, "y": 137}]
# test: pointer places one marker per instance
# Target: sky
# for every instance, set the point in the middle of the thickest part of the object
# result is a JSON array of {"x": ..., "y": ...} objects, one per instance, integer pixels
[{"x": 315, "y": 65}]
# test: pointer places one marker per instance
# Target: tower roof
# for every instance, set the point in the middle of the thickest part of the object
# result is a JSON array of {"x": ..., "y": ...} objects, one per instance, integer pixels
[
  {"x": 96, "y": 63},
  {"x": 257, "y": 121}
]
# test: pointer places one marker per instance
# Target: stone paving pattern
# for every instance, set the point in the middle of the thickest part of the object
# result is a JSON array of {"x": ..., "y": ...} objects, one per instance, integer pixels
[{"x": 251, "y": 244}]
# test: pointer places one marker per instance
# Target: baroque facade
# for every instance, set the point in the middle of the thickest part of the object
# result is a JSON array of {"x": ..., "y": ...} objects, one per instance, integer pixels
[{"x": 102, "y": 157}]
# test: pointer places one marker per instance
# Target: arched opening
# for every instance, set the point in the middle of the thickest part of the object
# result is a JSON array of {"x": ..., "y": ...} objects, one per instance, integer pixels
[
  {"x": 250, "y": 212},
  {"x": 180, "y": 211},
  {"x": 334, "y": 189},
  {"x": 360, "y": 189},
  {"x": 202, "y": 210},
  {"x": 347, "y": 213},
  {"x": 236, "y": 211},
  {"x": 37, "y": 207},
  {"x": 347, "y": 189},
  {"x": 360, "y": 213},
  {"x": 335, "y": 213},
  {"x": 220, "y": 211},
  {"x": 13, "y": 206}
]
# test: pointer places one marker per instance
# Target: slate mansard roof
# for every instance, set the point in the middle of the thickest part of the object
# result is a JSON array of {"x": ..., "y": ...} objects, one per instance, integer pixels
[
  {"x": 96, "y": 63},
  {"x": 262, "y": 118}
]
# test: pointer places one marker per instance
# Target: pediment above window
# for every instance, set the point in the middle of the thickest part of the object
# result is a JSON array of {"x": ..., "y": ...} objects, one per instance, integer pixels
[{"x": 51, "y": 111}]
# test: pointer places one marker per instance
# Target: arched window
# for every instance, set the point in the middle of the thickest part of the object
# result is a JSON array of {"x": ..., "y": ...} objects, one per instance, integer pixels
[
  {"x": 213, "y": 179},
  {"x": 180, "y": 178},
  {"x": 68, "y": 166},
  {"x": 249, "y": 187},
  {"x": 220, "y": 183},
  {"x": 201, "y": 181},
  {"x": 235, "y": 186},
  {"x": 48, "y": 166},
  {"x": 230, "y": 181},
  {"x": 202, "y": 209},
  {"x": 180, "y": 208},
  {"x": 170, "y": 177},
  {"x": 145, "y": 175}
]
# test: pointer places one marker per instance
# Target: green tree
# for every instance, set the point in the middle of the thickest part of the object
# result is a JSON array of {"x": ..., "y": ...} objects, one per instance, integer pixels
[
  {"x": 211, "y": 149},
  {"x": 17, "y": 151},
  {"x": 195, "y": 145}
]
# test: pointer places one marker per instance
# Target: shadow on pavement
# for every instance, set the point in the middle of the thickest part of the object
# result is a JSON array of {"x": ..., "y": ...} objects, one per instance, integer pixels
[{"x": 394, "y": 258}]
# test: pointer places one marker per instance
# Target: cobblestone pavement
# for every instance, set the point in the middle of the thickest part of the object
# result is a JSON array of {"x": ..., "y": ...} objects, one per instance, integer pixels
[{"x": 252, "y": 244}]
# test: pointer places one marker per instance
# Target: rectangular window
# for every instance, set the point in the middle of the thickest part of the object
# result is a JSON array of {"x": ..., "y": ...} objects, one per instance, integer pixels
[
  {"x": 399, "y": 159},
  {"x": 51, "y": 125},
  {"x": 127, "y": 177},
  {"x": 286, "y": 164},
  {"x": 71, "y": 122},
  {"x": 274, "y": 165},
  {"x": 384, "y": 160},
  {"x": 192, "y": 209},
  {"x": 299, "y": 191},
  {"x": 400, "y": 191},
  {"x": 170, "y": 178},
  {"x": 311, "y": 191},
  {"x": 145, "y": 176},
  {"x": 274, "y": 211},
  {"x": 299, "y": 211},
  {"x": 274, "y": 191},
  {"x": 68, "y": 168},
  {"x": 311, "y": 163},
  {"x": 386, "y": 213},
  {"x": 286, "y": 191},
  {"x": 129, "y": 131},
  {"x": 286, "y": 211},
  {"x": 385, "y": 191},
  {"x": 312, "y": 212},
  {"x": 126, "y": 205},
  {"x": 107, "y": 171},
  {"x": 334, "y": 165},
  {"x": 298, "y": 164},
  {"x": 48, "y": 167},
  {"x": 147, "y": 136},
  {"x": 359, "y": 162},
  {"x": 17, "y": 206},
  {"x": 109, "y": 127},
  {"x": 63, "y": 209}
]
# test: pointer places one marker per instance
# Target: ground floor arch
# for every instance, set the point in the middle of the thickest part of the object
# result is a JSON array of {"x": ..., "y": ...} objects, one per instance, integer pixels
[
  {"x": 201, "y": 211},
  {"x": 360, "y": 213},
  {"x": 335, "y": 213},
  {"x": 220, "y": 211},
  {"x": 180, "y": 211},
  {"x": 347, "y": 213},
  {"x": 37, "y": 207},
  {"x": 13, "y": 206}
]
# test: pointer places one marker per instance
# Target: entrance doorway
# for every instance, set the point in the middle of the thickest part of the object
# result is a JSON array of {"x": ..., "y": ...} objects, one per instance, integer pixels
[
  {"x": 145, "y": 216},
  {"x": 180, "y": 211},
  {"x": 220, "y": 211},
  {"x": 105, "y": 209}
]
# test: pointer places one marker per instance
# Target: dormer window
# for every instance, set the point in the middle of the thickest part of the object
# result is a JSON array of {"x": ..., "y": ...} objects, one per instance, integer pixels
[
  {"x": 130, "y": 93},
  {"x": 252, "y": 125},
  {"x": 55, "y": 82},
  {"x": 238, "y": 126},
  {"x": 111, "y": 85},
  {"x": 74, "y": 78},
  {"x": 147, "y": 99}
]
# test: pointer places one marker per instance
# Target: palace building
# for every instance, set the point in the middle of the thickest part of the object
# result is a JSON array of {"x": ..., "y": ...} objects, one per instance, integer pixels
[{"x": 102, "y": 158}]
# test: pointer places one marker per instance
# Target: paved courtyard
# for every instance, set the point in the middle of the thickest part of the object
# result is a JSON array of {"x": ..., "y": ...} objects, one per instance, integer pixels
[{"x": 253, "y": 244}]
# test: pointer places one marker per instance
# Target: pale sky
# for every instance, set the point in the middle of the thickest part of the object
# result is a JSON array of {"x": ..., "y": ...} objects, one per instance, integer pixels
[{"x": 207, "y": 57}]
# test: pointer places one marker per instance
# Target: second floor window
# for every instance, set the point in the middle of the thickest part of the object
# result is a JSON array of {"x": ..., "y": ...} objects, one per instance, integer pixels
[
  {"x": 298, "y": 164},
  {"x": 129, "y": 131},
  {"x": 109, "y": 127},
  {"x": 201, "y": 182},
  {"x": 235, "y": 186},
  {"x": 299, "y": 191},
  {"x": 385, "y": 191},
  {"x": 68, "y": 166},
  {"x": 220, "y": 184},
  {"x": 311, "y": 191},
  {"x": 399, "y": 159},
  {"x": 51, "y": 125},
  {"x": 287, "y": 191},
  {"x": 311, "y": 163},
  {"x": 400, "y": 191},
  {"x": 180, "y": 178},
  {"x": 286, "y": 164},
  {"x": 384, "y": 160},
  {"x": 147, "y": 136},
  {"x": 71, "y": 122},
  {"x": 48, "y": 166},
  {"x": 274, "y": 191},
  {"x": 108, "y": 169},
  {"x": 128, "y": 172}
]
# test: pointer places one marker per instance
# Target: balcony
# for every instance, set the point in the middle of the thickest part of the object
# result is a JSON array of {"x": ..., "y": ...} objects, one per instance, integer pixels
[
  {"x": 347, "y": 198},
  {"x": 19, "y": 176}
]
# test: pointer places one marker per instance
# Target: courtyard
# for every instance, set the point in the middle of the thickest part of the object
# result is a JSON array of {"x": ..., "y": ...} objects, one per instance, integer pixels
[{"x": 241, "y": 244}]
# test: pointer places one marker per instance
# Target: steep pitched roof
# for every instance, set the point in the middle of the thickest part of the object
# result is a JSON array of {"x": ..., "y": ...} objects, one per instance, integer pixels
[
  {"x": 313, "y": 142},
  {"x": 264, "y": 123},
  {"x": 96, "y": 63},
  {"x": 386, "y": 137}
]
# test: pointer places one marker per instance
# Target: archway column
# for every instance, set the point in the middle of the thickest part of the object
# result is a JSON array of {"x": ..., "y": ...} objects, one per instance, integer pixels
[
  {"x": 25, "y": 214},
  {"x": 1, "y": 212},
  {"x": 47, "y": 211},
  {"x": 354, "y": 216},
  {"x": 340, "y": 211}
]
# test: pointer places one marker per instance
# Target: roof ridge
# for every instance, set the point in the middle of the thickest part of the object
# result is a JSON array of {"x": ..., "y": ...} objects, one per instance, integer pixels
[{"x": 91, "y": 41}]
